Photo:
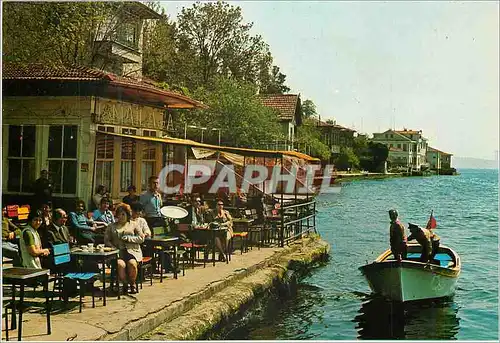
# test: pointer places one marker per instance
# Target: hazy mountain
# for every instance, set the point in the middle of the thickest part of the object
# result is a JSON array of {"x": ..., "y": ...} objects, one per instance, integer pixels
[{"x": 469, "y": 162}]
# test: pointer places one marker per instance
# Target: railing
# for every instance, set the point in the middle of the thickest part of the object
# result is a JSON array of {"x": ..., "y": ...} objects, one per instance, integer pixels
[{"x": 296, "y": 220}]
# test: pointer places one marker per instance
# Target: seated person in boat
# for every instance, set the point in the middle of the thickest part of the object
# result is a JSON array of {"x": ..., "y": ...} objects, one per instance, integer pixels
[
  {"x": 423, "y": 237},
  {"x": 397, "y": 237},
  {"x": 435, "y": 240}
]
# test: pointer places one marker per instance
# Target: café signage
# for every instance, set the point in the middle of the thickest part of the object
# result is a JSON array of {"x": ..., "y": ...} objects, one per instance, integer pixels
[{"x": 128, "y": 114}]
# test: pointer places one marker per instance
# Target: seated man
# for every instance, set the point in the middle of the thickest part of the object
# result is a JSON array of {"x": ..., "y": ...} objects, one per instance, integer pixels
[
  {"x": 10, "y": 238},
  {"x": 55, "y": 233},
  {"x": 103, "y": 216},
  {"x": 86, "y": 229},
  {"x": 58, "y": 232},
  {"x": 423, "y": 237}
]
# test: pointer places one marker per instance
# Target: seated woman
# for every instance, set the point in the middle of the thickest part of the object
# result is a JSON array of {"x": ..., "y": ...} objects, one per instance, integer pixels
[
  {"x": 103, "y": 216},
  {"x": 31, "y": 244},
  {"x": 127, "y": 237},
  {"x": 86, "y": 229},
  {"x": 225, "y": 220}
]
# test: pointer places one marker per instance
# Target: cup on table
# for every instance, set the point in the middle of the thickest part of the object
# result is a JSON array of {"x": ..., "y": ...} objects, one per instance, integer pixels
[
  {"x": 100, "y": 247},
  {"x": 91, "y": 247}
]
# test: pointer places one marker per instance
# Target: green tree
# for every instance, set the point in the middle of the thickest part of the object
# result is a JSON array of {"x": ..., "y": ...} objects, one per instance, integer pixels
[
  {"x": 379, "y": 153},
  {"x": 218, "y": 41},
  {"x": 60, "y": 32},
  {"x": 371, "y": 155},
  {"x": 309, "y": 136},
  {"x": 347, "y": 159},
  {"x": 235, "y": 109},
  {"x": 272, "y": 82},
  {"x": 309, "y": 109}
]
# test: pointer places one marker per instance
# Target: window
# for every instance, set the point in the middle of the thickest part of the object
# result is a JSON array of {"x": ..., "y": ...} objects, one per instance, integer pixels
[
  {"x": 127, "y": 35},
  {"x": 62, "y": 156},
  {"x": 399, "y": 146},
  {"x": 104, "y": 157},
  {"x": 127, "y": 167},
  {"x": 21, "y": 158},
  {"x": 405, "y": 147},
  {"x": 126, "y": 131},
  {"x": 148, "y": 162},
  {"x": 148, "y": 133}
]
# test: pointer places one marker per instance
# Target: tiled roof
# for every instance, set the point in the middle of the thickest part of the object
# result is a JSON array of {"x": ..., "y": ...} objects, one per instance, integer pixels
[
  {"x": 340, "y": 127},
  {"x": 286, "y": 104},
  {"x": 436, "y": 150},
  {"x": 38, "y": 71}
]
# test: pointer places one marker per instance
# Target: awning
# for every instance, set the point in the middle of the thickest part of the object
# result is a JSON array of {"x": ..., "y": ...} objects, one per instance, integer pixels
[{"x": 234, "y": 150}]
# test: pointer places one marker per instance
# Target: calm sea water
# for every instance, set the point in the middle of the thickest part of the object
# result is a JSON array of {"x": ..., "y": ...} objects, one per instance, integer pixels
[{"x": 334, "y": 302}]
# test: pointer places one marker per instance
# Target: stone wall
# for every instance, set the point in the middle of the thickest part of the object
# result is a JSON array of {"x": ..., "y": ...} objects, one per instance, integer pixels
[{"x": 204, "y": 314}]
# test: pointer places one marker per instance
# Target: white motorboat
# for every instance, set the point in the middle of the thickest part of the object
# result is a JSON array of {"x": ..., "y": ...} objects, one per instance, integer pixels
[{"x": 411, "y": 279}]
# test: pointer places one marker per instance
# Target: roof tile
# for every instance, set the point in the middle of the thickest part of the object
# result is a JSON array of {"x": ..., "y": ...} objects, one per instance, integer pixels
[
  {"x": 286, "y": 104},
  {"x": 38, "y": 71}
]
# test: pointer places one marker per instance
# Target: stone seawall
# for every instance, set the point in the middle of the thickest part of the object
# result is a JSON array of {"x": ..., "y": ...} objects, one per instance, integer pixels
[{"x": 217, "y": 307}]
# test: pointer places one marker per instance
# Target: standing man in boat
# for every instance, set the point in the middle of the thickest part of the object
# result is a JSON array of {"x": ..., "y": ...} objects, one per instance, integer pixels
[{"x": 397, "y": 236}]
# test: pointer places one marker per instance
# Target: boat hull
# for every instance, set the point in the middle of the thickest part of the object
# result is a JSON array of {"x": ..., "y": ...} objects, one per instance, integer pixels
[
  {"x": 408, "y": 283},
  {"x": 412, "y": 280}
]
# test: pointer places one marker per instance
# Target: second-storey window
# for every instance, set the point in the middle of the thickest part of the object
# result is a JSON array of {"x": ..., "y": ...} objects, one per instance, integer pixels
[
  {"x": 21, "y": 158},
  {"x": 62, "y": 156}
]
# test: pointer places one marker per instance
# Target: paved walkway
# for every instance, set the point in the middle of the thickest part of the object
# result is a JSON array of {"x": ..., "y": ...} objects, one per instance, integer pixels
[{"x": 106, "y": 322}]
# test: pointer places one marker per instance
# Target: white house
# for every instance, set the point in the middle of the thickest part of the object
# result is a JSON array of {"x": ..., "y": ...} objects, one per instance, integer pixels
[
  {"x": 407, "y": 148},
  {"x": 438, "y": 159}
]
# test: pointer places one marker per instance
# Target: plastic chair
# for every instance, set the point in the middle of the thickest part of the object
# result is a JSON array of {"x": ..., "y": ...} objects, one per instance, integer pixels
[{"x": 62, "y": 256}]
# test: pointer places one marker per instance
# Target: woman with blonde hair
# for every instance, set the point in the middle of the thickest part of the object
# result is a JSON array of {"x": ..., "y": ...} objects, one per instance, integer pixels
[{"x": 126, "y": 236}]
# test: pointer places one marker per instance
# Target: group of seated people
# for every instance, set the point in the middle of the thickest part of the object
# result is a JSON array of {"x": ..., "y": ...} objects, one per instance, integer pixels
[
  {"x": 426, "y": 237},
  {"x": 125, "y": 230}
]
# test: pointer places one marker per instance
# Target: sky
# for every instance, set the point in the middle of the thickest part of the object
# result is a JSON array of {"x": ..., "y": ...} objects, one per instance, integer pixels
[{"x": 372, "y": 66}]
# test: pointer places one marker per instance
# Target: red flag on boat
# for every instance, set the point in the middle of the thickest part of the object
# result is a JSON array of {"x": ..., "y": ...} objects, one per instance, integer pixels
[{"x": 431, "y": 224}]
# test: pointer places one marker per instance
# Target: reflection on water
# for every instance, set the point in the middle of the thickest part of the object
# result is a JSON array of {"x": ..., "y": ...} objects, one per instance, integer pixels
[
  {"x": 380, "y": 319},
  {"x": 277, "y": 317}
]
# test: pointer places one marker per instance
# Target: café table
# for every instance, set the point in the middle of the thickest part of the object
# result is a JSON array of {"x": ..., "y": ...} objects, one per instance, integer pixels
[
  {"x": 98, "y": 256},
  {"x": 25, "y": 277},
  {"x": 215, "y": 232},
  {"x": 164, "y": 242}
]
